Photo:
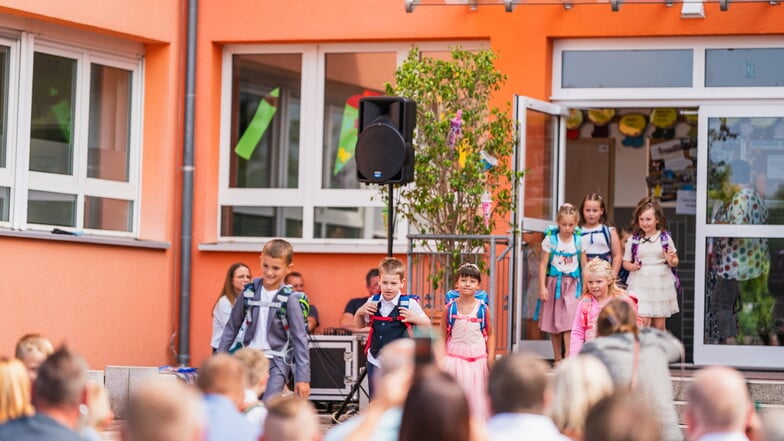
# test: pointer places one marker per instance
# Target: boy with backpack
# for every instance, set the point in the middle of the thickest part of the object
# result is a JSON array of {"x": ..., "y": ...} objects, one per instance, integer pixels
[
  {"x": 390, "y": 315},
  {"x": 272, "y": 317}
]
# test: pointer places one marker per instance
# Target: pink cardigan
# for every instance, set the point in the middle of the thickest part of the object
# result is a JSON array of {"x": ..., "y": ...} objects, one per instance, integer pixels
[{"x": 584, "y": 325}]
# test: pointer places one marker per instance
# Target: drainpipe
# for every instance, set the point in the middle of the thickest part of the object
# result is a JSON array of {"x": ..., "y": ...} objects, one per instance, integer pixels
[{"x": 186, "y": 212}]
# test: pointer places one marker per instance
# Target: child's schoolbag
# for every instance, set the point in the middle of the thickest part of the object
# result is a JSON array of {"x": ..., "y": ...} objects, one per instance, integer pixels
[
  {"x": 481, "y": 315},
  {"x": 605, "y": 230},
  {"x": 551, "y": 234},
  {"x": 664, "y": 239},
  {"x": 280, "y": 301},
  {"x": 402, "y": 302}
]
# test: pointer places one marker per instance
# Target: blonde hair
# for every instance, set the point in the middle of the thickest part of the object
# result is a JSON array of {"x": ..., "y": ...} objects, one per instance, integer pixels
[
  {"x": 578, "y": 383},
  {"x": 256, "y": 365},
  {"x": 392, "y": 266},
  {"x": 567, "y": 209},
  {"x": 14, "y": 390},
  {"x": 291, "y": 419},
  {"x": 30, "y": 343},
  {"x": 602, "y": 267},
  {"x": 100, "y": 412},
  {"x": 279, "y": 249}
]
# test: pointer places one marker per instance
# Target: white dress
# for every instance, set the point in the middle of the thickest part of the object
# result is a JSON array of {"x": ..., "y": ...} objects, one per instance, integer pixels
[{"x": 654, "y": 283}]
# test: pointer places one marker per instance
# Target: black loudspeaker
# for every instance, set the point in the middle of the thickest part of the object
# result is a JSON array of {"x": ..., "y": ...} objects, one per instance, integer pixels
[{"x": 384, "y": 152}]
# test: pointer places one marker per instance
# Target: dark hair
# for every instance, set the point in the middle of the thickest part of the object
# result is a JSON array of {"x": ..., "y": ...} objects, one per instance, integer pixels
[
  {"x": 62, "y": 378},
  {"x": 469, "y": 270},
  {"x": 616, "y": 316},
  {"x": 594, "y": 197},
  {"x": 644, "y": 204},
  {"x": 517, "y": 383},
  {"x": 424, "y": 421},
  {"x": 228, "y": 287},
  {"x": 370, "y": 274},
  {"x": 622, "y": 416},
  {"x": 293, "y": 274}
]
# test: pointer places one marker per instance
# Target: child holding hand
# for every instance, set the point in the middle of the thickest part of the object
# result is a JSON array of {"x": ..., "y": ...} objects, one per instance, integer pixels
[
  {"x": 650, "y": 257},
  {"x": 470, "y": 342},
  {"x": 601, "y": 288},
  {"x": 560, "y": 279}
]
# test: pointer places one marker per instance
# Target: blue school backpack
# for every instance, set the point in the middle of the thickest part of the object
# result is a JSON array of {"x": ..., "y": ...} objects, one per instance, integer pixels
[
  {"x": 551, "y": 234},
  {"x": 481, "y": 315}
]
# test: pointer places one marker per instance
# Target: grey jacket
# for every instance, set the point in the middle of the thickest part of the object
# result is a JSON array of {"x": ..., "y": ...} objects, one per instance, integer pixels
[
  {"x": 657, "y": 350},
  {"x": 277, "y": 336}
]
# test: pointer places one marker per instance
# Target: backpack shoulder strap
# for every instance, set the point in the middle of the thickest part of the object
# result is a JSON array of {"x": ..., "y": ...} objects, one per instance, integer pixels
[
  {"x": 607, "y": 236},
  {"x": 578, "y": 239},
  {"x": 635, "y": 244},
  {"x": 451, "y": 312},
  {"x": 664, "y": 238}
]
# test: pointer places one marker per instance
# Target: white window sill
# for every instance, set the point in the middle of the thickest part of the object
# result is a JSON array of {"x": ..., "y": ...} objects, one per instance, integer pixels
[
  {"x": 311, "y": 246},
  {"x": 95, "y": 240}
]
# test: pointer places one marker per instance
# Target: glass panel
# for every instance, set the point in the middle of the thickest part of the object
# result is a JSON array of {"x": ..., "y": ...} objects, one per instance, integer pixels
[
  {"x": 4, "y": 53},
  {"x": 110, "y": 120},
  {"x": 350, "y": 223},
  {"x": 5, "y": 203},
  {"x": 51, "y": 115},
  {"x": 261, "y": 221},
  {"x": 540, "y": 163},
  {"x": 108, "y": 214},
  {"x": 744, "y": 286},
  {"x": 744, "y": 67},
  {"x": 48, "y": 208},
  {"x": 627, "y": 68},
  {"x": 532, "y": 253},
  {"x": 745, "y": 171},
  {"x": 265, "y": 119},
  {"x": 349, "y": 77}
]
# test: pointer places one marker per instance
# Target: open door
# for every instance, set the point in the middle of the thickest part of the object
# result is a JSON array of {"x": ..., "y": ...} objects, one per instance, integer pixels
[{"x": 541, "y": 132}]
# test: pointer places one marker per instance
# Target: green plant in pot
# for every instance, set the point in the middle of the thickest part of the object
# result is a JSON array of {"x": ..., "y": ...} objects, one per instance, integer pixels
[{"x": 464, "y": 171}]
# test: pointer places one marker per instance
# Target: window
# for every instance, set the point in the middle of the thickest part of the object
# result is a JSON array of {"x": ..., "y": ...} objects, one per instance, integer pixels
[
  {"x": 627, "y": 68},
  {"x": 753, "y": 67},
  {"x": 290, "y": 116},
  {"x": 73, "y": 161}
]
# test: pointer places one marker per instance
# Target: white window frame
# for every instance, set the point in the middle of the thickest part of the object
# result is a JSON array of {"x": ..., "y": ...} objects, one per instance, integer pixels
[
  {"x": 22, "y": 180},
  {"x": 309, "y": 193},
  {"x": 7, "y": 173},
  {"x": 698, "y": 91}
]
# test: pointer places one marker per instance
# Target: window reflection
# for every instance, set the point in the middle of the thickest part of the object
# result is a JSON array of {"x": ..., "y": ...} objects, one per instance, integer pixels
[
  {"x": 540, "y": 157},
  {"x": 744, "y": 291},
  {"x": 261, "y": 221},
  {"x": 745, "y": 171}
]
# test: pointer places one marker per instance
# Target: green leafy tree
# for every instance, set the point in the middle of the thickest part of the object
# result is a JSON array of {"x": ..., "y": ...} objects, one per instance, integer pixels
[{"x": 458, "y": 135}]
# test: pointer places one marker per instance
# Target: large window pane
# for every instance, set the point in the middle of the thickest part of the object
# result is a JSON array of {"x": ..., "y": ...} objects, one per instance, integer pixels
[
  {"x": 49, "y": 208},
  {"x": 110, "y": 119},
  {"x": 540, "y": 161},
  {"x": 349, "y": 223},
  {"x": 108, "y": 214},
  {"x": 261, "y": 221},
  {"x": 745, "y": 171},
  {"x": 627, "y": 68},
  {"x": 265, "y": 121},
  {"x": 51, "y": 116},
  {"x": 4, "y": 65},
  {"x": 744, "y": 291},
  {"x": 744, "y": 67},
  {"x": 348, "y": 78},
  {"x": 5, "y": 203}
]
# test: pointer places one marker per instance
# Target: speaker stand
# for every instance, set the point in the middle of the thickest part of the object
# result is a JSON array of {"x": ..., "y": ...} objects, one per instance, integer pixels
[{"x": 390, "y": 219}]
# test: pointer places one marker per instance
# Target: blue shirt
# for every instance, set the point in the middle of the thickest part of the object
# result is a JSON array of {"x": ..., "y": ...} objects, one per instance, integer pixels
[
  {"x": 225, "y": 422},
  {"x": 38, "y": 427}
]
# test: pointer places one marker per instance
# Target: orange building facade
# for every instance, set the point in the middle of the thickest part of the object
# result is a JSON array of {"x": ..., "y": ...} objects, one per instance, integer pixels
[{"x": 93, "y": 135}]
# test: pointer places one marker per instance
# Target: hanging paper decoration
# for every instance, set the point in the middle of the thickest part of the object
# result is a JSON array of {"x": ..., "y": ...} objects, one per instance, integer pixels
[
  {"x": 265, "y": 111},
  {"x": 462, "y": 152},
  {"x": 633, "y": 127},
  {"x": 488, "y": 161},
  {"x": 664, "y": 120},
  {"x": 349, "y": 130},
  {"x": 487, "y": 205},
  {"x": 600, "y": 119},
  {"x": 573, "y": 123},
  {"x": 455, "y": 129}
]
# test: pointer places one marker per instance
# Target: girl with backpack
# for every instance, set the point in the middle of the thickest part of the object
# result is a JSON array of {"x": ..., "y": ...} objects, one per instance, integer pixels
[
  {"x": 651, "y": 258},
  {"x": 470, "y": 343},
  {"x": 601, "y": 287},
  {"x": 560, "y": 279},
  {"x": 599, "y": 239}
]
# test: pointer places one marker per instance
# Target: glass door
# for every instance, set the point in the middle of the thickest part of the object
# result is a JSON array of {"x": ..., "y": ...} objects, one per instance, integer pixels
[
  {"x": 541, "y": 133},
  {"x": 739, "y": 318}
]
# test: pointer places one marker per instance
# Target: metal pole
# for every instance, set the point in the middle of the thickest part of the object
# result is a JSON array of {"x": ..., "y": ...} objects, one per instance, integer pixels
[
  {"x": 186, "y": 222},
  {"x": 390, "y": 220}
]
